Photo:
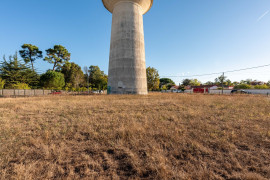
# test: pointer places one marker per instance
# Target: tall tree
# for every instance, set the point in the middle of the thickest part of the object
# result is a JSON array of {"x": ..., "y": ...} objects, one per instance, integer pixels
[
  {"x": 73, "y": 74},
  {"x": 57, "y": 56},
  {"x": 152, "y": 78},
  {"x": 195, "y": 82},
  {"x": 13, "y": 71},
  {"x": 97, "y": 78},
  {"x": 30, "y": 53}
]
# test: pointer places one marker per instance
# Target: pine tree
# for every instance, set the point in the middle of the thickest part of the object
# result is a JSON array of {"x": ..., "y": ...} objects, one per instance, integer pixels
[
  {"x": 57, "y": 56},
  {"x": 30, "y": 53},
  {"x": 13, "y": 71}
]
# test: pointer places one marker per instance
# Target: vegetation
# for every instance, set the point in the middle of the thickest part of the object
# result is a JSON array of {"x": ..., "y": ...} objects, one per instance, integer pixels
[
  {"x": 73, "y": 73},
  {"x": 57, "y": 56},
  {"x": 52, "y": 80},
  {"x": 13, "y": 71},
  {"x": 242, "y": 86},
  {"x": 191, "y": 82},
  {"x": 166, "y": 83},
  {"x": 97, "y": 78},
  {"x": 16, "y": 73},
  {"x": 2, "y": 83},
  {"x": 152, "y": 79},
  {"x": 20, "y": 86},
  {"x": 30, "y": 53},
  {"x": 168, "y": 136},
  {"x": 264, "y": 86}
]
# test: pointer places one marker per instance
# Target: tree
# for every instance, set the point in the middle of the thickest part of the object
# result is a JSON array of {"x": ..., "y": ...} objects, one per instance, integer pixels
[
  {"x": 209, "y": 83},
  {"x": 247, "y": 81},
  {"x": 220, "y": 80},
  {"x": 13, "y": 71},
  {"x": 186, "y": 82},
  {"x": 30, "y": 53},
  {"x": 167, "y": 82},
  {"x": 57, "y": 56},
  {"x": 73, "y": 74},
  {"x": 195, "y": 82},
  {"x": 191, "y": 82},
  {"x": 268, "y": 83},
  {"x": 235, "y": 83},
  {"x": 52, "y": 80},
  {"x": 97, "y": 78},
  {"x": 228, "y": 82},
  {"x": 152, "y": 78}
]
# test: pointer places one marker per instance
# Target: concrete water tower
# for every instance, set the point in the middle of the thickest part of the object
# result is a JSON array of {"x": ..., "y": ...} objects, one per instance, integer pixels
[{"x": 127, "y": 71}]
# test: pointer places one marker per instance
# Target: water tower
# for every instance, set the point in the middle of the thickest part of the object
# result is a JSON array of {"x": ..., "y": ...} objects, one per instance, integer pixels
[{"x": 127, "y": 71}]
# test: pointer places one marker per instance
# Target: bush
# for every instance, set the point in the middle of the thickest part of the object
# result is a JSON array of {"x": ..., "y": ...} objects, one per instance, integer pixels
[
  {"x": 242, "y": 86},
  {"x": 52, "y": 80},
  {"x": 261, "y": 87},
  {"x": 20, "y": 86},
  {"x": 82, "y": 89},
  {"x": 2, "y": 83}
]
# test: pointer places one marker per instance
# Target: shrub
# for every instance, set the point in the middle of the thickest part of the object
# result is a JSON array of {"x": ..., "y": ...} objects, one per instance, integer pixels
[
  {"x": 52, "y": 80},
  {"x": 242, "y": 86},
  {"x": 261, "y": 87},
  {"x": 20, "y": 86},
  {"x": 2, "y": 83}
]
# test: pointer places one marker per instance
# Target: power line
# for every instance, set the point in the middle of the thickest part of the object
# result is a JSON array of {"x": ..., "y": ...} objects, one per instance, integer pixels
[{"x": 199, "y": 75}]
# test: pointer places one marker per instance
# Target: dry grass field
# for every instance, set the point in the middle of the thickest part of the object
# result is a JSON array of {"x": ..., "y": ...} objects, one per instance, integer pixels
[{"x": 160, "y": 136}]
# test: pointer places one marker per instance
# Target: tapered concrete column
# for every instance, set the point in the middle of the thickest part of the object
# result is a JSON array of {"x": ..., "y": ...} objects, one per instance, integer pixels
[{"x": 127, "y": 70}]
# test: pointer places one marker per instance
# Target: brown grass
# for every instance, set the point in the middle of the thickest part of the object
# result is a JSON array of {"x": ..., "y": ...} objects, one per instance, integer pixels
[{"x": 160, "y": 136}]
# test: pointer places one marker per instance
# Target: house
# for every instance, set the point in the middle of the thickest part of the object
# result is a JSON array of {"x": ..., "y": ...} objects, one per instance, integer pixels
[{"x": 174, "y": 88}]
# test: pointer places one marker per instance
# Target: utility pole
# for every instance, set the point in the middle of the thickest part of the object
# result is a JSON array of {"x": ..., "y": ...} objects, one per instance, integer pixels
[{"x": 222, "y": 82}]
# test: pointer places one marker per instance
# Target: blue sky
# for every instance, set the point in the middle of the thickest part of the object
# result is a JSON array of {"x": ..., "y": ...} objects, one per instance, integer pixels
[{"x": 182, "y": 37}]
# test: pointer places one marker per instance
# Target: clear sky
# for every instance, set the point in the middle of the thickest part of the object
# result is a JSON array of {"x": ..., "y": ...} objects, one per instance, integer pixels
[{"x": 182, "y": 37}]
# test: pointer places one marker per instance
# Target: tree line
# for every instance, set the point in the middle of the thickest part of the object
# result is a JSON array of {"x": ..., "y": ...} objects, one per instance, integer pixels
[
  {"x": 155, "y": 83},
  {"x": 18, "y": 71}
]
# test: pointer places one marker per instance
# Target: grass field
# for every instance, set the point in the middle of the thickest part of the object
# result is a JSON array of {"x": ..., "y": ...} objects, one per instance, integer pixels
[{"x": 160, "y": 136}]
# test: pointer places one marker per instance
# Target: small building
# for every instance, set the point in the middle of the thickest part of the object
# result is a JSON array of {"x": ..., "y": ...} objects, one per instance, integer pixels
[{"x": 174, "y": 88}]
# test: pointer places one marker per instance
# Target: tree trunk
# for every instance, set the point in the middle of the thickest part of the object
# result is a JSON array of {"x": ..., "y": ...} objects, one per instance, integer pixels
[
  {"x": 54, "y": 66},
  {"x": 32, "y": 66}
]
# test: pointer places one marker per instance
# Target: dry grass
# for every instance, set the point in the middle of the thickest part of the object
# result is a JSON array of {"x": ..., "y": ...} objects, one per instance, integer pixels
[{"x": 160, "y": 136}]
